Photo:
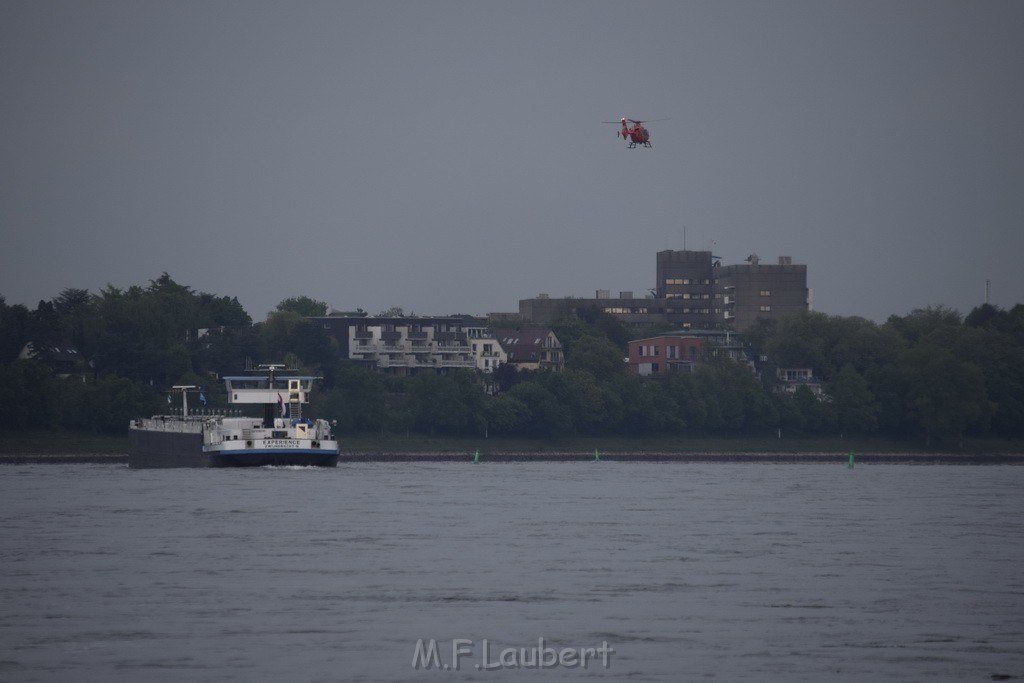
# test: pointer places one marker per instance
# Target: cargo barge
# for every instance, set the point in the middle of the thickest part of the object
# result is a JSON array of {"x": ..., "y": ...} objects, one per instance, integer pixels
[{"x": 282, "y": 436}]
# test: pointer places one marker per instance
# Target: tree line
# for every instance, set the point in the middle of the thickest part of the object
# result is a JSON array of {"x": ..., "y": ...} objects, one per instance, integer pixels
[{"x": 931, "y": 374}]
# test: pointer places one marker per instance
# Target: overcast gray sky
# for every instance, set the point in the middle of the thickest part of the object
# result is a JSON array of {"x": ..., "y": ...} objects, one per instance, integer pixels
[{"x": 450, "y": 157}]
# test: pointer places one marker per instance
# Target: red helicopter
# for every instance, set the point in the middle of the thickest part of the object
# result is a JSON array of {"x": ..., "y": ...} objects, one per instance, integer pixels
[{"x": 637, "y": 135}]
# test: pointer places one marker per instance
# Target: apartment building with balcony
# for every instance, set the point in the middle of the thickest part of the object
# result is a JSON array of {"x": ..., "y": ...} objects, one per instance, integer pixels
[
  {"x": 403, "y": 345},
  {"x": 489, "y": 353}
]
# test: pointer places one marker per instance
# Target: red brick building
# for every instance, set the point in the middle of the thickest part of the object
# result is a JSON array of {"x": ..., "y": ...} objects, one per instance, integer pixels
[
  {"x": 680, "y": 351},
  {"x": 659, "y": 355}
]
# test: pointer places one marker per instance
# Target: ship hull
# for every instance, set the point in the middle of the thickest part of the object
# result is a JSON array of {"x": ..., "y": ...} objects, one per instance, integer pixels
[
  {"x": 166, "y": 449},
  {"x": 268, "y": 458},
  {"x": 163, "y": 449}
]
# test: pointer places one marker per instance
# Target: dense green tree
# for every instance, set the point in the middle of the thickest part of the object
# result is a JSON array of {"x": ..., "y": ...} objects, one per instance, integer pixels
[
  {"x": 854, "y": 406},
  {"x": 598, "y": 356},
  {"x": 221, "y": 311},
  {"x": 647, "y": 409},
  {"x": 105, "y": 405},
  {"x": 734, "y": 400},
  {"x": 1001, "y": 361},
  {"x": 605, "y": 324},
  {"x": 924, "y": 324},
  {"x": 827, "y": 343},
  {"x": 75, "y": 310},
  {"x": 288, "y": 332},
  {"x": 28, "y": 395},
  {"x": 1013, "y": 324},
  {"x": 358, "y": 400},
  {"x": 945, "y": 395},
  {"x": 580, "y": 393},
  {"x": 304, "y": 306},
  {"x": 690, "y": 400},
  {"x": 226, "y": 350},
  {"x": 569, "y": 330},
  {"x": 758, "y": 336},
  {"x": 506, "y": 415},
  {"x": 548, "y": 417},
  {"x": 439, "y": 405},
  {"x": 986, "y": 315},
  {"x": 14, "y": 330}
]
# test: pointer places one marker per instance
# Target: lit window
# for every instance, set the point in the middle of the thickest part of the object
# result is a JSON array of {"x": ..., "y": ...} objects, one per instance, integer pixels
[
  {"x": 766, "y": 292},
  {"x": 766, "y": 309}
]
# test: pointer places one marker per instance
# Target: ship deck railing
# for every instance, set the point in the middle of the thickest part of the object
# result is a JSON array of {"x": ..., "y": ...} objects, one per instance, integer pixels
[{"x": 170, "y": 423}]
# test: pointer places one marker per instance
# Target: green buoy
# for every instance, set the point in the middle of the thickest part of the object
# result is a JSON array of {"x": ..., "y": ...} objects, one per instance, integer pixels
[
  {"x": 597, "y": 456},
  {"x": 476, "y": 457},
  {"x": 850, "y": 466}
]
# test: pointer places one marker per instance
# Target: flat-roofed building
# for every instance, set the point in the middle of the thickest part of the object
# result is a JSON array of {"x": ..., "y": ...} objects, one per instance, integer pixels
[
  {"x": 681, "y": 351},
  {"x": 755, "y": 290},
  {"x": 403, "y": 345},
  {"x": 693, "y": 291}
]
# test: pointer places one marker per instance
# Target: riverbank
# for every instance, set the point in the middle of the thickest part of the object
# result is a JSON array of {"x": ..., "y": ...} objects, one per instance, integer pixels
[
  {"x": 598, "y": 457},
  {"x": 72, "y": 447}
]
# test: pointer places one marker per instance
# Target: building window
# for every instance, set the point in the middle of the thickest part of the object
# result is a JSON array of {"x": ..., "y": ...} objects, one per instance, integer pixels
[
  {"x": 766, "y": 309},
  {"x": 766, "y": 292}
]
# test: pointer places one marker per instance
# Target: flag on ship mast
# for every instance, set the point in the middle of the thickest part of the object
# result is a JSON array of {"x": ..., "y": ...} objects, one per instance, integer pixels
[{"x": 280, "y": 402}]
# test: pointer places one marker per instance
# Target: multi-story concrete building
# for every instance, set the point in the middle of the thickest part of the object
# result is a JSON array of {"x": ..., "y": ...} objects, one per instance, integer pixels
[
  {"x": 686, "y": 281},
  {"x": 694, "y": 291},
  {"x": 757, "y": 290},
  {"x": 636, "y": 312},
  {"x": 401, "y": 345}
]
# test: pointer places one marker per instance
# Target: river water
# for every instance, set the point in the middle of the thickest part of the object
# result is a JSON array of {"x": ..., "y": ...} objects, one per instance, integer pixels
[{"x": 377, "y": 571}]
